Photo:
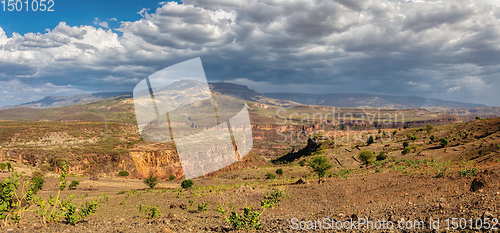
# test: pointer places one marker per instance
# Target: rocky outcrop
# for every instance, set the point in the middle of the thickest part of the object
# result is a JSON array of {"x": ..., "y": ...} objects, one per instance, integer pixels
[
  {"x": 160, "y": 159},
  {"x": 440, "y": 121}
]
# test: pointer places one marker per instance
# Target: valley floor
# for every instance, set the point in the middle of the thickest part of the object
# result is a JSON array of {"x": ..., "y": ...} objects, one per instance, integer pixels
[{"x": 389, "y": 193}]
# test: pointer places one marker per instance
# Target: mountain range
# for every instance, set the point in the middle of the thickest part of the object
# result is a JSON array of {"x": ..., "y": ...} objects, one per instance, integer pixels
[
  {"x": 60, "y": 101},
  {"x": 370, "y": 101},
  {"x": 275, "y": 99}
]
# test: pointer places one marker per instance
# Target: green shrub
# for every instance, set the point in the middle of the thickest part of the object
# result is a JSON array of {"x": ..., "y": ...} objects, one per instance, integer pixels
[
  {"x": 411, "y": 137},
  {"x": 370, "y": 140},
  {"x": 123, "y": 173},
  {"x": 73, "y": 184},
  {"x": 36, "y": 184},
  {"x": 150, "y": 211},
  {"x": 187, "y": 184},
  {"x": 381, "y": 156},
  {"x": 405, "y": 144},
  {"x": 394, "y": 132},
  {"x": 302, "y": 163},
  {"x": 250, "y": 220},
  {"x": 3, "y": 166},
  {"x": 320, "y": 165},
  {"x": 433, "y": 138},
  {"x": 171, "y": 177},
  {"x": 202, "y": 207},
  {"x": 444, "y": 142},
  {"x": 442, "y": 171},
  {"x": 70, "y": 210},
  {"x": 366, "y": 157},
  {"x": 151, "y": 181},
  {"x": 53, "y": 209},
  {"x": 406, "y": 151},
  {"x": 467, "y": 172},
  {"x": 279, "y": 171},
  {"x": 429, "y": 128},
  {"x": 270, "y": 176}
]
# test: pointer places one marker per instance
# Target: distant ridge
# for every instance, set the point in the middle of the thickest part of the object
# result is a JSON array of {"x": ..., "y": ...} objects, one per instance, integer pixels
[
  {"x": 236, "y": 90},
  {"x": 61, "y": 101},
  {"x": 369, "y": 101},
  {"x": 119, "y": 106},
  {"x": 276, "y": 99}
]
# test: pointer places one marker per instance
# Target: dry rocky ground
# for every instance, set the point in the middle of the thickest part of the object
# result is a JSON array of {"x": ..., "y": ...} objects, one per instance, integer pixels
[
  {"x": 428, "y": 184},
  {"x": 387, "y": 195}
]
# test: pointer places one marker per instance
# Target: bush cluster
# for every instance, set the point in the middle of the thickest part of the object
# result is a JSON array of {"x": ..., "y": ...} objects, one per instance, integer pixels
[
  {"x": 279, "y": 171},
  {"x": 382, "y": 156},
  {"x": 187, "y": 183},
  {"x": 444, "y": 142},
  {"x": 123, "y": 173},
  {"x": 270, "y": 176},
  {"x": 151, "y": 181},
  {"x": 366, "y": 157}
]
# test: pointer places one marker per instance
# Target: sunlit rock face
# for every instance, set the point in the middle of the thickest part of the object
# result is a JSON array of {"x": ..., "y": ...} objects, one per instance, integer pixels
[{"x": 159, "y": 159}]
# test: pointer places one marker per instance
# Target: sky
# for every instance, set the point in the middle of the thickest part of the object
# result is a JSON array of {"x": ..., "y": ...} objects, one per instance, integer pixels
[{"x": 447, "y": 49}]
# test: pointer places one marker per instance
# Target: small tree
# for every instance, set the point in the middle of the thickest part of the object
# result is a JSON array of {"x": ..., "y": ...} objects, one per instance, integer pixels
[
  {"x": 429, "y": 128},
  {"x": 382, "y": 156},
  {"x": 366, "y": 156},
  {"x": 444, "y": 142},
  {"x": 406, "y": 151},
  {"x": 171, "y": 177},
  {"x": 279, "y": 171},
  {"x": 433, "y": 138},
  {"x": 405, "y": 144},
  {"x": 151, "y": 181},
  {"x": 320, "y": 165},
  {"x": 411, "y": 136},
  {"x": 370, "y": 140},
  {"x": 187, "y": 183}
]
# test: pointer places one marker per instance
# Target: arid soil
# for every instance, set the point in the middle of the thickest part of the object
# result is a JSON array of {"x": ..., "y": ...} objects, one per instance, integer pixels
[
  {"x": 430, "y": 183},
  {"x": 386, "y": 195}
]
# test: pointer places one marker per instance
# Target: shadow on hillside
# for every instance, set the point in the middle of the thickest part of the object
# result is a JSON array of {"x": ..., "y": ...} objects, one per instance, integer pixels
[{"x": 312, "y": 147}]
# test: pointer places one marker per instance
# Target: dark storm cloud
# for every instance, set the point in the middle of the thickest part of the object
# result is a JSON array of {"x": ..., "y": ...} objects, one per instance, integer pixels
[{"x": 447, "y": 49}]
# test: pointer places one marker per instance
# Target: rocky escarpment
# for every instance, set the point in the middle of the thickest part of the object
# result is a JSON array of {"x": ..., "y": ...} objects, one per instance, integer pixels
[
  {"x": 440, "y": 121},
  {"x": 160, "y": 159},
  {"x": 89, "y": 164}
]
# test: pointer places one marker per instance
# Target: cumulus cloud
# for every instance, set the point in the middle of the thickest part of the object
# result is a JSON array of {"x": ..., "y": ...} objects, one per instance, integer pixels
[
  {"x": 447, "y": 49},
  {"x": 103, "y": 24}
]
